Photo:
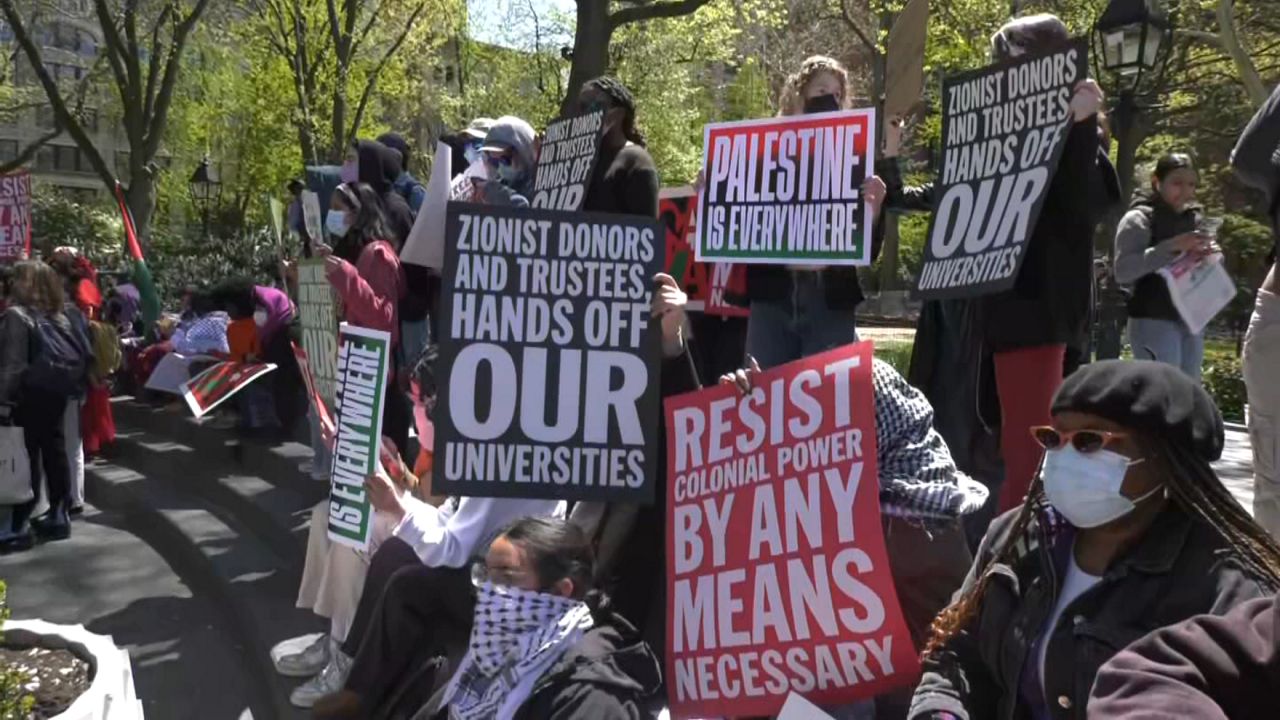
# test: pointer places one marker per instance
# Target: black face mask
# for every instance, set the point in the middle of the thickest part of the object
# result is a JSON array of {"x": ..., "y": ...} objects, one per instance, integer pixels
[{"x": 821, "y": 104}]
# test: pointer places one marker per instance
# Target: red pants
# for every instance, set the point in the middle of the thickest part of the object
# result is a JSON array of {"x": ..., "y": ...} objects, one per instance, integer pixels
[
  {"x": 1026, "y": 380},
  {"x": 97, "y": 425}
]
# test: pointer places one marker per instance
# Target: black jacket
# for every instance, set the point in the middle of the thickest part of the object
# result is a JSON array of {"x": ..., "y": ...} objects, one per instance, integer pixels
[
  {"x": 1256, "y": 157},
  {"x": 1150, "y": 295},
  {"x": 1208, "y": 668},
  {"x": 843, "y": 290},
  {"x": 1179, "y": 569},
  {"x": 380, "y": 167}
]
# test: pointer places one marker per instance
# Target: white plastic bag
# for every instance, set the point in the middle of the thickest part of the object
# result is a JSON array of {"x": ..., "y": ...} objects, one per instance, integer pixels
[{"x": 15, "y": 467}]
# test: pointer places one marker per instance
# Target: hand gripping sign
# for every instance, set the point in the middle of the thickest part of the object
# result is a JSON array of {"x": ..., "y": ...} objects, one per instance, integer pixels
[{"x": 778, "y": 580}]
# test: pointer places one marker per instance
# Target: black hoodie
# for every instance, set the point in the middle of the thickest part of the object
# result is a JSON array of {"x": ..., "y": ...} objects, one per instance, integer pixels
[{"x": 379, "y": 168}]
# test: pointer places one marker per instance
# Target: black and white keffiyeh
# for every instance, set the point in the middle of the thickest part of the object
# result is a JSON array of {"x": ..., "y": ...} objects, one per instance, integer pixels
[{"x": 518, "y": 635}]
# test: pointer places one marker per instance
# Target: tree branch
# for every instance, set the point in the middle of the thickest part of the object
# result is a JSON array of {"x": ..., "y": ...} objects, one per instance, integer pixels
[
  {"x": 372, "y": 80},
  {"x": 857, "y": 29},
  {"x": 29, "y": 151},
  {"x": 650, "y": 11},
  {"x": 164, "y": 96}
]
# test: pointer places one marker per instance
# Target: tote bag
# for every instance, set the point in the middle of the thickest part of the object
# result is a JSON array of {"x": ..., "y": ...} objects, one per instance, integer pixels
[{"x": 15, "y": 467}]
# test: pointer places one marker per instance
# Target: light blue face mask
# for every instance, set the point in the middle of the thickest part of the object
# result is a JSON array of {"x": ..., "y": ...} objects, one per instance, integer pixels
[
  {"x": 510, "y": 176},
  {"x": 1085, "y": 487},
  {"x": 336, "y": 223}
]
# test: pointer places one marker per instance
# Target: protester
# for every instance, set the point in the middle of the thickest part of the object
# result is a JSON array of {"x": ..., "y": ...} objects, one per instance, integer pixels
[
  {"x": 1208, "y": 668},
  {"x": 511, "y": 162},
  {"x": 378, "y": 166},
  {"x": 364, "y": 268},
  {"x": 1159, "y": 228},
  {"x": 797, "y": 311},
  {"x": 206, "y": 332},
  {"x": 406, "y": 184},
  {"x": 1127, "y": 529},
  {"x": 44, "y": 352},
  {"x": 1257, "y": 162},
  {"x": 625, "y": 180},
  {"x": 80, "y": 281},
  {"x": 543, "y": 644}
]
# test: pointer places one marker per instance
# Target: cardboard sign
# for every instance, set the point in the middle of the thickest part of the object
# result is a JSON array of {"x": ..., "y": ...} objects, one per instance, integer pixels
[
  {"x": 904, "y": 59},
  {"x": 317, "y": 308},
  {"x": 778, "y": 579},
  {"x": 550, "y": 355},
  {"x": 788, "y": 190},
  {"x": 565, "y": 162},
  {"x": 1003, "y": 131},
  {"x": 704, "y": 283},
  {"x": 364, "y": 368},
  {"x": 425, "y": 245},
  {"x": 311, "y": 216},
  {"x": 15, "y": 216},
  {"x": 212, "y": 387}
]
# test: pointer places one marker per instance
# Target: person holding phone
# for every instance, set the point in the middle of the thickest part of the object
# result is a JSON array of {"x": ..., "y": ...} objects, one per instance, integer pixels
[{"x": 1158, "y": 229}]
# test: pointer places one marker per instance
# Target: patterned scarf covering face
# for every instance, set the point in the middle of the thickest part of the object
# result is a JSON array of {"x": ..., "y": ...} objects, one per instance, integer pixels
[{"x": 518, "y": 635}]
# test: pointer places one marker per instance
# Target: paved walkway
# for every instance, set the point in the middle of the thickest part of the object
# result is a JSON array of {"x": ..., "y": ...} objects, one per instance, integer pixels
[{"x": 1236, "y": 467}]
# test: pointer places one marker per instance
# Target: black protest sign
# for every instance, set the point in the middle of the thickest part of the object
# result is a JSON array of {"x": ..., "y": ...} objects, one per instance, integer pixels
[
  {"x": 550, "y": 356},
  {"x": 566, "y": 160},
  {"x": 1003, "y": 131}
]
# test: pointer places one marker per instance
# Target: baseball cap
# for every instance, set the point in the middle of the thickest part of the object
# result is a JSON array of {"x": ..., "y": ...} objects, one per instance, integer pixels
[{"x": 479, "y": 128}]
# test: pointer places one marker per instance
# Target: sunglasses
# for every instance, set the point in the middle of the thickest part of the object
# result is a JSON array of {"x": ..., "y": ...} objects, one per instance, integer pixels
[
  {"x": 1085, "y": 441},
  {"x": 496, "y": 159}
]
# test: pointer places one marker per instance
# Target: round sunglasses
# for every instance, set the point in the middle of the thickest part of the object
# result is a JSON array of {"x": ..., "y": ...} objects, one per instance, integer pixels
[{"x": 1085, "y": 441}]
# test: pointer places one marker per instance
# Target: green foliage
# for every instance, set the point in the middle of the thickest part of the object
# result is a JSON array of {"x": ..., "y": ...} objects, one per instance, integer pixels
[
  {"x": 896, "y": 353},
  {"x": 15, "y": 701},
  {"x": 1224, "y": 380},
  {"x": 181, "y": 260},
  {"x": 96, "y": 231}
]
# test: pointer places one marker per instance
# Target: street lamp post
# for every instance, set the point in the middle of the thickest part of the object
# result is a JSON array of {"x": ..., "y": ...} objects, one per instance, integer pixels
[
  {"x": 205, "y": 190},
  {"x": 1129, "y": 39}
]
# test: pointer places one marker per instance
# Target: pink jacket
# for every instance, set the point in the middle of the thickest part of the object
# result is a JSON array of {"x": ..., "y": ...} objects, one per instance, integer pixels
[{"x": 371, "y": 290}]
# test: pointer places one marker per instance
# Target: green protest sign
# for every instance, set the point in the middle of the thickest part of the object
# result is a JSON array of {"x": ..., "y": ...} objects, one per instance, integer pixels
[{"x": 364, "y": 367}]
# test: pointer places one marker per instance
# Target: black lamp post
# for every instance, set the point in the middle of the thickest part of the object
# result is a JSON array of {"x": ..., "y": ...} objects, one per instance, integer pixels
[
  {"x": 205, "y": 190},
  {"x": 1129, "y": 42}
]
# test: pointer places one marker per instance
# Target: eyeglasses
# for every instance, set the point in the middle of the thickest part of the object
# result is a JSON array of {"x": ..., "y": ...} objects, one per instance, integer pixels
[
  {"x": 496, "y": 159},
  {"x": 1085, "y": 441},
  {"x": 482, "y": 573}
]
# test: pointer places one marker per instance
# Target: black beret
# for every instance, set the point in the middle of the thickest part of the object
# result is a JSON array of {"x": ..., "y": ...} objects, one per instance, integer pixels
[{"x": 1156, "y": 398}]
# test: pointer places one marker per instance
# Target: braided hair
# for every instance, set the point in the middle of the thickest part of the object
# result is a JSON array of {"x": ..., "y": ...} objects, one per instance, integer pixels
[
  {"x": 1191, "y": 485},
  {"x": 620, "y": 96}
]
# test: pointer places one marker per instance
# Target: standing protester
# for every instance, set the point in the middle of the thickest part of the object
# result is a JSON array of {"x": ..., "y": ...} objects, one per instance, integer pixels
[
  {"x": 797, "y": 311},
  {"x": 378, "y": 166},
  {"x": 625, "y": 180},
  {"x": 405, "y": 184},
  {"x": 1159, "y": 228},
  {"x": 80, "y": 281},
  {"x": 1128, "y": 529},
  {"x": 422, "y": 285},
  {"x": 44, "y": 354},
  {"x": 510, "y": 160},
  {"x": 1257, "y": 162}
]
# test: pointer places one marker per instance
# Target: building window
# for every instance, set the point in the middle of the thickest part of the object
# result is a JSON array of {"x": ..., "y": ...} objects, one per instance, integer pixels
[
  {"x": 45, "y": 119},
  {"x": 44, "y": 158},
  {"x": 8, "y": 150}
]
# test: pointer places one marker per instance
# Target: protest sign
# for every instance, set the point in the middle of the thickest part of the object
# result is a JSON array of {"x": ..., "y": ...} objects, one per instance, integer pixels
[
  {"x": 568, "y": 155},
  {"x": 1003, "y": 131},
  {"x": 1200, "y": 289},
  {"x": 425, "y": 245},
  {"x": 173, "y": 371},
  {"x": 311, "y": 216},
  {"x": 463, "y": 187},
  {"x": 778, "y": 579},
  {"x": 319, "y": 324},
  {"x": 212, "y": 387},
  {"x": 316, "y": 401},
  {"x": 788, "y": 190},
  {"x": 15, "y": 216},
  {"x": 364, "y": 368},
  {"x": 904, "y": 60},
  {"x": 550, "y": 355},
  {"x": 704, "y": 283}
]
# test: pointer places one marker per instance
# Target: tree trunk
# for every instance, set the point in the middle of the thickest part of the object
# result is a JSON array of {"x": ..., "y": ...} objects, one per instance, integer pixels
[
  {"x": 140, "y": 196},
  {"x": 590, "y": 49},
  {"x": 1131, "y": 130}
]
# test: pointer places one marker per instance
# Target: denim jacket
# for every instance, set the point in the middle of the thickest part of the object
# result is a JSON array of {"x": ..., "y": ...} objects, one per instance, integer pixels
[{"x": 1182, "y": 567}]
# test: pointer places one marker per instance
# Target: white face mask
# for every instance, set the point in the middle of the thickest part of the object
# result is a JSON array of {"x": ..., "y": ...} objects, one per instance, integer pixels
[
  {"x": 336, "y": 223},
  {"x": 1086, "y": 488}
]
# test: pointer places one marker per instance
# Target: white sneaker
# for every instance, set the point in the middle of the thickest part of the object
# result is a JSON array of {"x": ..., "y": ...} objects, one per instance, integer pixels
[
  {"x": 306, "y": 662},
  {"x": 329, "y": 681}
]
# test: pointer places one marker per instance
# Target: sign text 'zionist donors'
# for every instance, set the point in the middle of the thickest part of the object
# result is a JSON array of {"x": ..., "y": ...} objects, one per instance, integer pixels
[
  {"x": 551, "y": 355},
  {"x": 778, "y": 580},
  {"x": 788, "y": 190},
  {"x": 566, "y": 161},
  {"x": 364, "y": 363},
  {"x": 1003, "y": 132}
]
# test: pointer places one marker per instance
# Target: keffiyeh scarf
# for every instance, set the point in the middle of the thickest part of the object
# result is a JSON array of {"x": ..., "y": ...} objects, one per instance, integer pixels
[{"x": 518, "y": 635}]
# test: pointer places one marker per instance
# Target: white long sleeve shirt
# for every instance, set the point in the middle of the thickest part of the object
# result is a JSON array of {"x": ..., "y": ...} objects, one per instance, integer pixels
[{"x": 444, "y": 537}]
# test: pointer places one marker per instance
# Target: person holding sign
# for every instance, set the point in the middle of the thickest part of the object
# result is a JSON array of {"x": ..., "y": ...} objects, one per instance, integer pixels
[
  {"x": 1159, "y": 228},
  {"x": 803, "y": 310},
  {"x": 625, "y": 180},
  {"x": 1126, "y": 530}
]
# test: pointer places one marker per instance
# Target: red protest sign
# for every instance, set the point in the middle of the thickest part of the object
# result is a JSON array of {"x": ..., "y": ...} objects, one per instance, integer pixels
[
  {"x": 705, "y": 283},
  {"x": 313, "y": 392},
  {"x": 15, "y": 216},
  {"x": 777, "y": 577},
  {"x": 212, "y": 387}
]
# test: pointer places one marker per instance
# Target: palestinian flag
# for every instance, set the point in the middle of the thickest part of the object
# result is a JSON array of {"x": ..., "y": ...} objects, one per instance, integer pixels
[
  {"x": 210, "y": 388},
  {"x": 148, "y": 298},
  {"x": 313, "y": 394}
]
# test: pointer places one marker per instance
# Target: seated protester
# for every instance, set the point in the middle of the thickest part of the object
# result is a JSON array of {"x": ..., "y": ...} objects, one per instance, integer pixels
[
  {"x": 543, "y": 645},
  {"x": 625, "y": 179},
  {"x": 206, "y": 332},
  {"x": 511, "y": 162},
  {"x": 1127, "y": 529},
  {"x": 1208, "y": 668}
]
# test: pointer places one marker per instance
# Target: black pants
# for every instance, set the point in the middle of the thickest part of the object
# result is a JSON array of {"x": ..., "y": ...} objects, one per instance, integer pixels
[
  {"x": 396, "y": 416},
  {"x": 408, "y": 614},
  {"x": 41, "y": 414}
]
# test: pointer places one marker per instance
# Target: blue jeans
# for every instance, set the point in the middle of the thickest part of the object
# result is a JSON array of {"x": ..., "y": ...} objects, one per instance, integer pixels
[
  {"x": 779, "y": 332},
  {"x": 1167, "y": 341}
]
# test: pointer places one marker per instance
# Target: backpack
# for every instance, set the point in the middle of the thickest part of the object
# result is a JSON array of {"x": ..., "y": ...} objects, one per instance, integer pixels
[
  {"x": 107, "y": 358},
  {"x": 61, "y": 362}
]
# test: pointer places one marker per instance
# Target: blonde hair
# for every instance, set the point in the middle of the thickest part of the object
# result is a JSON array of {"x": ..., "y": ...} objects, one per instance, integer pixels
[
  {"x": 792, "y": 101},
  {"x": 37, "y": 286}
]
